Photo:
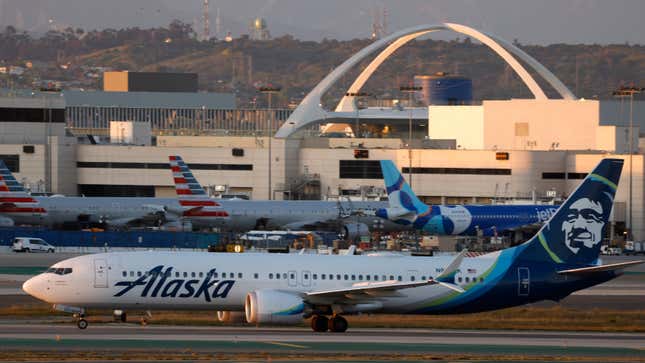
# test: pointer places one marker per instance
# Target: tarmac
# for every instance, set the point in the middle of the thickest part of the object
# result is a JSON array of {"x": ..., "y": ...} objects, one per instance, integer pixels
[{"x": 254, "y": 339}]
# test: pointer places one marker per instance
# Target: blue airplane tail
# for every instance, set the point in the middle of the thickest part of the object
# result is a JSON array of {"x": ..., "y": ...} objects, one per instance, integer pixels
[
  {"x": 404, "y": 205},
  {"x": 573, "y": 236}
]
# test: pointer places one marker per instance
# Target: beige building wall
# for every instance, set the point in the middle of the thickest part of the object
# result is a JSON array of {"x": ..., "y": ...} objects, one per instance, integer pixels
[
  {"x": 540, "y": 125},
  {"x": 463, "y": 123}
]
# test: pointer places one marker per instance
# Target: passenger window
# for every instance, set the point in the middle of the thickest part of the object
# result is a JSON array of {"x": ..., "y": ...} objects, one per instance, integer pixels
[
  {"x": 255, "y": 275},
  {"x": 215, "y": 275},
  {"x": 201, "y": 274},
  {"x": 411, "y": 278},
  {"x": 124, "y": 273},
  {"x": 346, "y": 277},
  {"x": 185, "y": 274},
  {"x": 360, "y": 277},
  {"x": 467, "y": 279},
  {"x": 306, "y": 276},
  {"x": 239, "y": 275},
  {"x": 139, "y": 273},
  {"x": 322, "y": 276},
  {"x": 423, "y": 278},
  {"x": 315, "y": 276},
  {"x": 367, "y": 277},
  {"x": 391, "y": 277},
  {"x": 277, "y": 276},
  {"x": 131, "y": 273},
  {"x": 271, "y": 276},
  {"x": 353, "y": 277},
  {"x": 192, "y": 274},
  {"x": 459, "y": 279},
  {"x": 338, "y": 277},
  {"x": 400, "y": 278},
  {"x": 375, "y": 277},
  {"x": 176, "y": 273},
  {"x": 293, "y": 276}
]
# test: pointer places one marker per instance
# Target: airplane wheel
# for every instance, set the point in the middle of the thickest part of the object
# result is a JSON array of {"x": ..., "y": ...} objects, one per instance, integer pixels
[
  {"x": 124, "y": 317},
  {"x": 319, "y": 323},
  {"x": 337, "y": 324},
  {"x": 82, "y": 324}
]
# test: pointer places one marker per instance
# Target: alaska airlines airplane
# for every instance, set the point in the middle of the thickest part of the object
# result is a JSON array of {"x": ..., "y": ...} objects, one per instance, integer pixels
[
  {"x": 286, "y": 288},
  {"x": 405, "y": 208}
]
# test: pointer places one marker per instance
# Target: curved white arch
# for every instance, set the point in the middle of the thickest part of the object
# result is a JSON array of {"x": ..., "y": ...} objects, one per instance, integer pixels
[{"x": 310, "y": 109}]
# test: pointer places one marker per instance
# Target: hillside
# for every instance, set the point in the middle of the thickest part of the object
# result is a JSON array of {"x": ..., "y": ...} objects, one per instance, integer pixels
[{"x": 242, "y": 65}]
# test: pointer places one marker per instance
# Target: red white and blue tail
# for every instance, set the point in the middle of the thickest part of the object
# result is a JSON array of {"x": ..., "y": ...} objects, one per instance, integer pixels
[
  {"x": 13, "y": 197},
  {"x": 190, "y": 193}
]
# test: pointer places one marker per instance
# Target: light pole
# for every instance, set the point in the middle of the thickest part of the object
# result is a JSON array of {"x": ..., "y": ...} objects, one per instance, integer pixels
[
  {"x": 269, "y": 91},
  {"x": 356, "y": 96},
  {"x": 624, "y": 92},
  {"x": 410, "y": 90}
]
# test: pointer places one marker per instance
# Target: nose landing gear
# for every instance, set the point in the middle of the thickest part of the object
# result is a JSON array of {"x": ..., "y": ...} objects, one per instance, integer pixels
[{"x": 81, "y": 323}]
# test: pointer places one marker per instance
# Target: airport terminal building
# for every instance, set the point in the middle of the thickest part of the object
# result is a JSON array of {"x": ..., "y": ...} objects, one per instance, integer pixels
[{"x": 498, "y": 151}]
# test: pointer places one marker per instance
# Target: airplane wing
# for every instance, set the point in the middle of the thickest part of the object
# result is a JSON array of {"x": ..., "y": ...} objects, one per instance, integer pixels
[
  {"x": 371, "y": 290},
  {"x": 600, "y": 268}
]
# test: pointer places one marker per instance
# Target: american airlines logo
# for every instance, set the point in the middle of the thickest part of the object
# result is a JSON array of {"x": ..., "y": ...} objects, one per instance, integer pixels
[{"x": 157, "y": 283}]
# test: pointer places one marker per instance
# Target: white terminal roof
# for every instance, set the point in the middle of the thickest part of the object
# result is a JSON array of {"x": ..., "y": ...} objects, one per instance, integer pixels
[{"x": 150, "y": 99}]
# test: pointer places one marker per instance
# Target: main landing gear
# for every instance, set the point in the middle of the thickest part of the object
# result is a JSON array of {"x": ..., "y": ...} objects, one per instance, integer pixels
[{"x": 335, "y": 324}]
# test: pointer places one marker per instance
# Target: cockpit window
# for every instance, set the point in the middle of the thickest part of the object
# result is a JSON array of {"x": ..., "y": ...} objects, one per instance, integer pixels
[{"x": 59, "y": 270}]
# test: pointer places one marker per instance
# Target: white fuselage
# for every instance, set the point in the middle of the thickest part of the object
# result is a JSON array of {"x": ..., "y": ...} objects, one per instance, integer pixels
[
  {"x": 104, "y": 280},
  {"x": 244, "y": 215}
]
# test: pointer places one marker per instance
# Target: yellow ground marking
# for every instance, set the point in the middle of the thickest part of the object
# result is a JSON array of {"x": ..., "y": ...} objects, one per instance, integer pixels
[{"x": 288, "y": 345}]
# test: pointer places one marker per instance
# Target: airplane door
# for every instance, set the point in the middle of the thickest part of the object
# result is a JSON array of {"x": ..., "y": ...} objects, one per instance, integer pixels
[
  {"x": 100, "y": 273},
  {"x": 292, "y": 278},
  {"x": 306, "y": 278},
  {"x": 523, "y": 281}
]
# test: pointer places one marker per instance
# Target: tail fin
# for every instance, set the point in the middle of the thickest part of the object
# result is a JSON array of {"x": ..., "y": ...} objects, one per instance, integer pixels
[
  {"x": 189, "y": 192},
  {"x": 404, "y": 205},
  {"x": 13, "y": 196},
  {"x": 574, "y": 234}
]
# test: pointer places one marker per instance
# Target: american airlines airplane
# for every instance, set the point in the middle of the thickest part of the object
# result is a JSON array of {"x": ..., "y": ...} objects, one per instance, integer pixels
[
  {"x": 284, "y": 289},
  {"x": 352, "y": 219},
  {"x": 18, "y": 207},
  {"x": 192, "y": 205},
  {"x": 405, "y": 208}
]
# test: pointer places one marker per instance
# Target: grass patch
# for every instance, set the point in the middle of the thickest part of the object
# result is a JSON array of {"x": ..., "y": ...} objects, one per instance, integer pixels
[{"x": 554, "y": 318}]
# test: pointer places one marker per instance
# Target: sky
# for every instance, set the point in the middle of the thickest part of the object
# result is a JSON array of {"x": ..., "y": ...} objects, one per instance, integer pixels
[{"x": 528, "y": 21}]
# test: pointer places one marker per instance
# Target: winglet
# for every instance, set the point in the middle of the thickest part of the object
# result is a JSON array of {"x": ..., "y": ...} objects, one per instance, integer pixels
[{"x": 448, "y": 274}]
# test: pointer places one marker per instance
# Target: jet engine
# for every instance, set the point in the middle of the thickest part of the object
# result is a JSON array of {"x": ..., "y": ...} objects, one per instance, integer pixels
[
  {"x": 352, "y": 231},
  {"x": 272, "y": 306},
  {"x": 231, "y": 317}
]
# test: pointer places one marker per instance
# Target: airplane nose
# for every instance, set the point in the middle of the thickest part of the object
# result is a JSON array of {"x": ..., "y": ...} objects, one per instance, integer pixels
[
  {"x": 28, "y": 286},
  {"x": 33, "y": 287}
]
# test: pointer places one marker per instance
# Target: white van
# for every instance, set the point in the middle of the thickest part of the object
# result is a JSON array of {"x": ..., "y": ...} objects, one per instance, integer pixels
[{"x": 29, "y": 244}]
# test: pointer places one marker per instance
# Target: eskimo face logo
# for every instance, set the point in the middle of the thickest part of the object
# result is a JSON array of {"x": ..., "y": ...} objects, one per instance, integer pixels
[
  {"x": 583, "y": 225},
  {"x": 156, "y": 283}
]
